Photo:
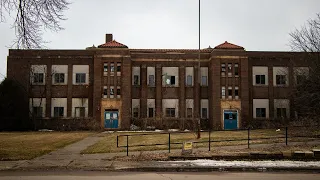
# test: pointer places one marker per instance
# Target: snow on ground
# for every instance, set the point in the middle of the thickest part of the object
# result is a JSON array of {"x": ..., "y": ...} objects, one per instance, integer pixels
[{"x": 249, "y": 164}]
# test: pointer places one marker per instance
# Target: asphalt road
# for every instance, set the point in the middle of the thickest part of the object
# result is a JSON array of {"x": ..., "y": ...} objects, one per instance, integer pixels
[{"x": 154, "y": 176}]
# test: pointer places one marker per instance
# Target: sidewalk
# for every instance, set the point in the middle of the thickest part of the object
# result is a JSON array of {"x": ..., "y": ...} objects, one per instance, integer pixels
[{"x": 69, "y": 157}]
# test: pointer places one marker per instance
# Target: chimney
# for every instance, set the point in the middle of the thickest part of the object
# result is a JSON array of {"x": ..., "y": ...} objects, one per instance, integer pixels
[{"x": 109, "y": 37}]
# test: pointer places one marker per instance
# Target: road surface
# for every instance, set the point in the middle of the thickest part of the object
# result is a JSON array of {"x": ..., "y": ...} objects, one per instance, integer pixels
[{"x": 82, "y": 175}]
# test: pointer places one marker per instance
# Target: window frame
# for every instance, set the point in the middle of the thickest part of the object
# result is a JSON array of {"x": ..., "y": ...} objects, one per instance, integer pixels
[
  {"x": 105, "y": 67},
  {"x": 150, "y": 112},
  {"x": 111, "y": 91},
  {"x": 189, "y": 80},
  {"x": 280, "y": 112},
  {"x": 58, "y": 75},
  {"x": 79, "y": 78},
  {"x": 170, "y": 112},
  {"x": 118, "y": 67},
  {"x": 223, "y": 69},
  {"x": 151, "y": 81},
  {"x": 82, "y": 112},
  {"x": 281, "y": 80},
  {"x": 259, "y": 77},
  {"x": 37, "y": 77},
  {"x": 105, "y": 91},
  {"x": 58, "y": 110},
  {"x": 172, "y": 80},
  {"x": 206, "y": 113},
  {"x": 136, "y": 81},
  {"x": 112, "y": 68},
  {"x": 118, "y": 91},
  {"x": 135, "y": 112},
  {"x": 189, "y": 112},
  {"x": 236, "y": 69},
  {"x": 223, "y": 91},
  {"x": 260, "y": 112},
  {"x": 39, "y": 111},
  {"x": 206, "y": 81}
]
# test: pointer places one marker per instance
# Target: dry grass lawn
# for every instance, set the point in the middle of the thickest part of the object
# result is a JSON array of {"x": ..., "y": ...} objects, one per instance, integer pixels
[
  {"x": 109, "y": 142},
  {"x": 28, "y": 145}
]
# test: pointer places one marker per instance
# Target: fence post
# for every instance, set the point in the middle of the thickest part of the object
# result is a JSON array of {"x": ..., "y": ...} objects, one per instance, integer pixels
[
  {"x": 286, "y": 136},
  {"x": 248, "y": 137},
  {"x": 209, "y": 139},
  {"x": 117, "y": 141},
  {"x": 127, "y": 145},
  {"x": 169, "y": 142}
]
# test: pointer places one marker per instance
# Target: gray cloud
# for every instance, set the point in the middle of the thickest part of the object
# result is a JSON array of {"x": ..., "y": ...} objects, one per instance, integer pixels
[{"x": 256, "y": 25}]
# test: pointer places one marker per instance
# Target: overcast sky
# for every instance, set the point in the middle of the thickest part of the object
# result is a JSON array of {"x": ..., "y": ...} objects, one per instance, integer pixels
[{"x": 257, "y": 25}]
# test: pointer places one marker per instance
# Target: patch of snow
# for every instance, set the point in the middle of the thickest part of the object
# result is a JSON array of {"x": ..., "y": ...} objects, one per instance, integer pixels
[
  {"x": 173, "y": 130},
  {"x": 45, "y": 130},
  {"x": 158, "y": 130},
  {"x": 250, "y": 164}
]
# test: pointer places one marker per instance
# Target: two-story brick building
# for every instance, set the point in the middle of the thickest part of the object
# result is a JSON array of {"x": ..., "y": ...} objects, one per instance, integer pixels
[{"x": 116, "y": 86}]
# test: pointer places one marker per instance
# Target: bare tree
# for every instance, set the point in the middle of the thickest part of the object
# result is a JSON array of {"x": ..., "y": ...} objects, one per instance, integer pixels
[
  {"x": 307, "y": 91},
  {"x": 31, "y": 18}
]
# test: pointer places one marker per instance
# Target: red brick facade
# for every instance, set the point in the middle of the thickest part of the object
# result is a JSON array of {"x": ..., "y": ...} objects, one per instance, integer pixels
[{"x": 112, "y": 52}]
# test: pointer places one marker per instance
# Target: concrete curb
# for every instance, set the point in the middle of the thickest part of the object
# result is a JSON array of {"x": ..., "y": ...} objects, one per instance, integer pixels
[
  {"x": 218, "y": 169},
  {"x": 175, "y": 169}
]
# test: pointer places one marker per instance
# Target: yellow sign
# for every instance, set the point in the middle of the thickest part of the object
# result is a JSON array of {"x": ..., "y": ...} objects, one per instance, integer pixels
[{"x": 187, "y": 146}]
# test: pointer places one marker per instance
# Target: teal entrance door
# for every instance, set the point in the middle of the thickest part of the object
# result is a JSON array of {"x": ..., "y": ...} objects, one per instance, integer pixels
[
  {"x": 111, "y": 119},
  {"x": 230, "y": 118}
]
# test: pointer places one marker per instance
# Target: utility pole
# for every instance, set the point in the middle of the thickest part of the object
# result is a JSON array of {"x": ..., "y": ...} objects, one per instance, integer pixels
[{"x": 199, "y": 83}]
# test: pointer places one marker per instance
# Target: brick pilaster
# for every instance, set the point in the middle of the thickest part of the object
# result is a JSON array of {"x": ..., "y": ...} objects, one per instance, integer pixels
[
  {"x": 158, "y": 91},
  {"x": 271, "y": 93},
  {"x": 97, "y": 88},
  {"x": 144, "y": 92},
  {"x": 182, "y": 91},
  {"x": 48, "y": 89},
  {"x": 126, "y": 92},
  {"x": 69, "y": 93},
  {"x": 244, "y": 91}
]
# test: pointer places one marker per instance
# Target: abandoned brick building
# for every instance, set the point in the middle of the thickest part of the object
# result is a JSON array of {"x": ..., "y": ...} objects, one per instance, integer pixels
[{"x": 114, "y": 86}]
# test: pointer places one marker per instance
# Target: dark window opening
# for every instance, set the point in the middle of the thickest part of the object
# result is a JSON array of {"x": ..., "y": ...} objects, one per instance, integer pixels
[
  {"x": 170, "y": 112},
  {"x": 150, "y": 113},
  {"x": 236, "y": 92},
  {"x": 105, "y": 91},
  {"x": 260, "y": 79},
  {"x": 58, "y": 111},
  {"x": 37, "y": 111},
  {"x": 204, "y": 112},
  {"x": 135, "y": 80},
  {"x": 38, "y": 77},
  {"x": 229, "y": 92},
  {"x": 151, "y": 80},
  {"x": 281, "y": 112},
  {"x": 261, "y": 112},
  {"x": 301, "y": 79},
  {"x": 135, "y": 112},
  {"x": 80, "y": 78},
  {"x": 59, "y": 78},
  {"x": 119, "y": 68},
  {"x": 280, "y": 79},
  {"x": 236, "y": 69}
]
